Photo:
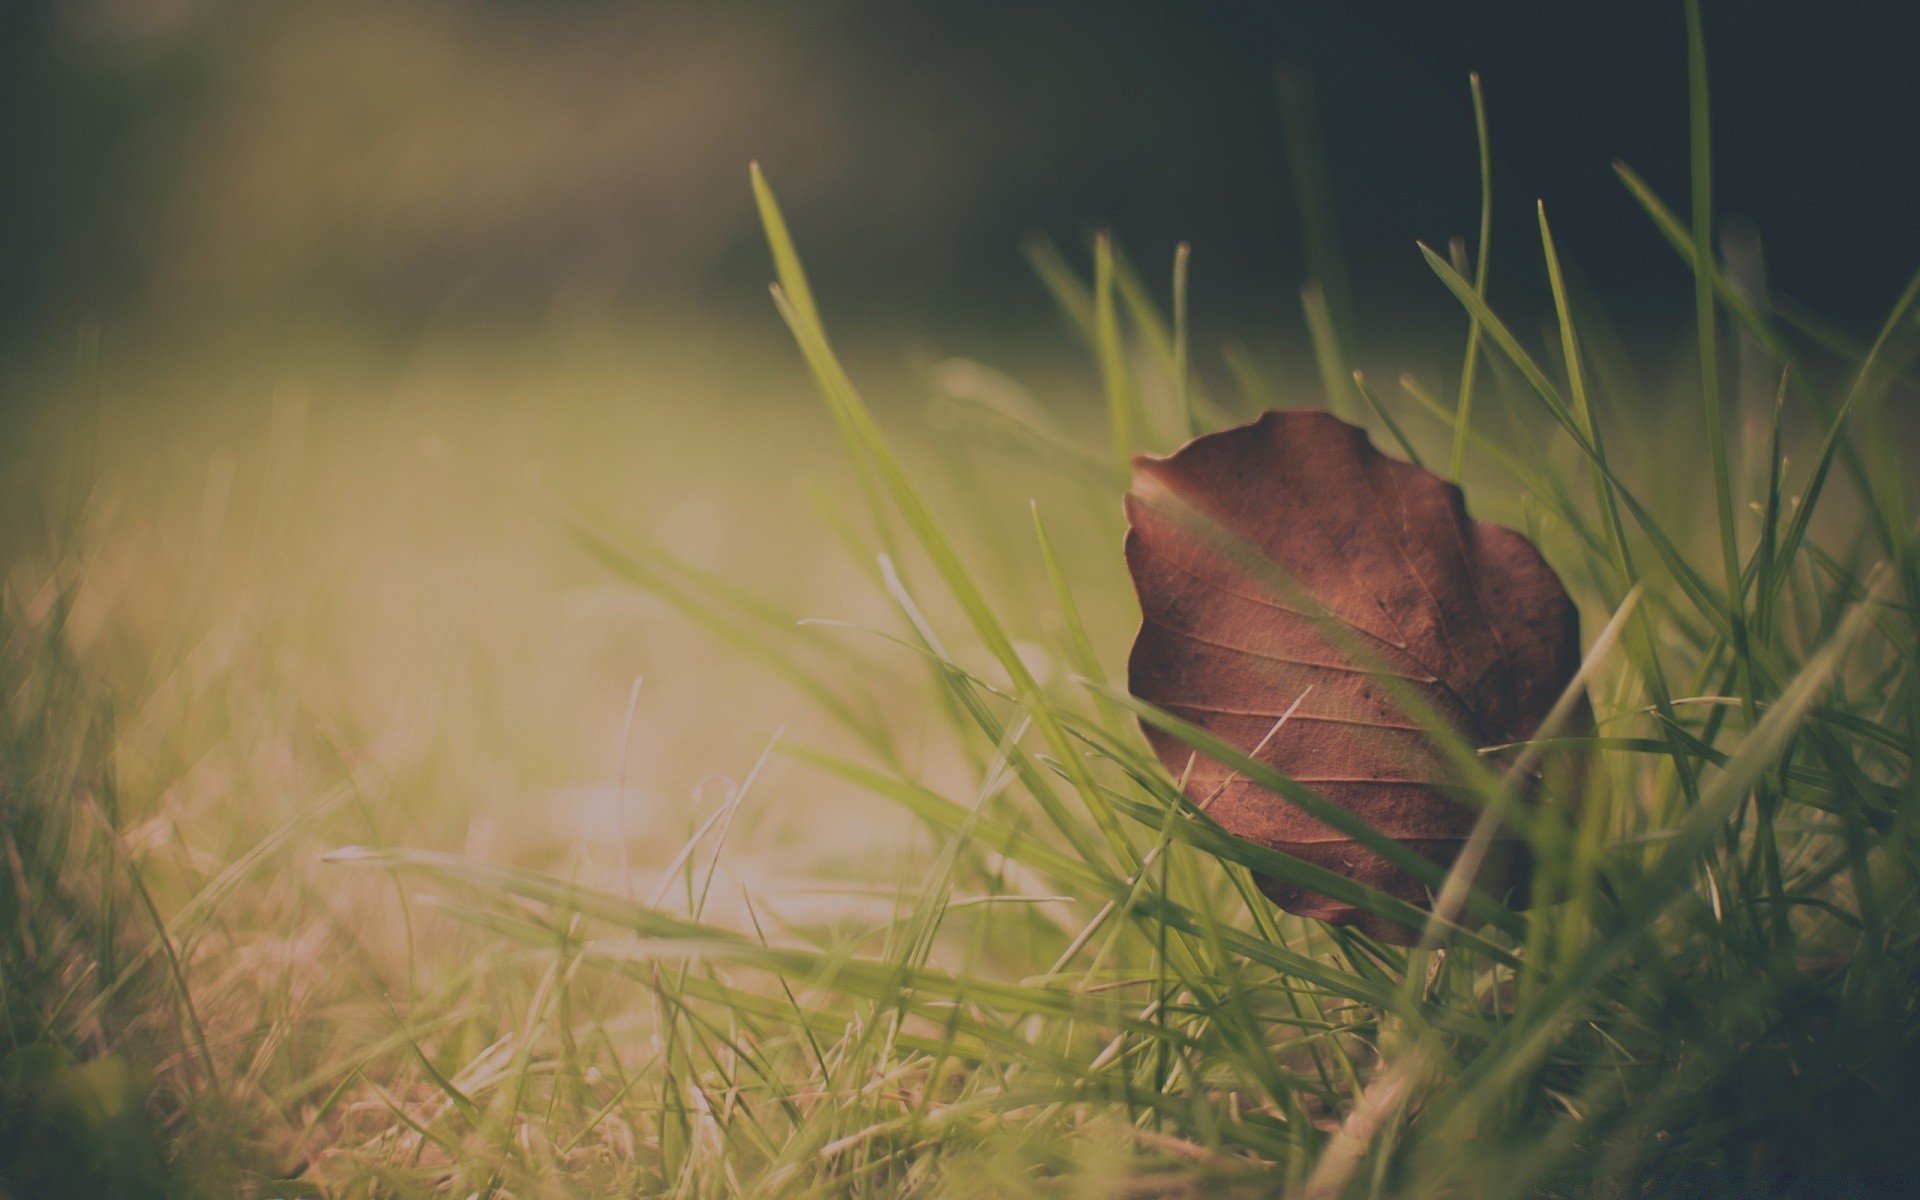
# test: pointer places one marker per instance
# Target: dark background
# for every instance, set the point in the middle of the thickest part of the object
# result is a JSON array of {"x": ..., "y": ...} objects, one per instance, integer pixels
[{"x": 411, "y": 164}]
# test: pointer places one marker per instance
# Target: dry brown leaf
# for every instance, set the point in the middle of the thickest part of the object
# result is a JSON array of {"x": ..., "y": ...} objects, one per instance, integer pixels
[{"x": 1289, "y": 557}]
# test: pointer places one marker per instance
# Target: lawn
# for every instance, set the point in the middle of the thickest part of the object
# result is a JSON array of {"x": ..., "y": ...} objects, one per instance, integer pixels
[{"x": 660, "y": 760}]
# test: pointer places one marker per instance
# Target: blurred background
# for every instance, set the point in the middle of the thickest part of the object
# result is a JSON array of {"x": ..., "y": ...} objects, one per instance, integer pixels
[{"x": 399, "y": 167}]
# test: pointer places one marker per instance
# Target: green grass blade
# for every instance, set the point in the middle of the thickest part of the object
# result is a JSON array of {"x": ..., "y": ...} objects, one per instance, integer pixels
[
  {"x": 1073, "y": 298},
  {"x": 1628, "y": 577},
  {"x": 1116, "y": 381},
  {"x": 1463, "y": 410},
  {"x": 867, "y": 444},
  {"x": 1706, "y": 319},
  {"x": 1184, "y": 387},
  {"x": 1386, "y": 419},
  {"x": 786, "y": 260},
  {"x": 1335, "y": 375}
]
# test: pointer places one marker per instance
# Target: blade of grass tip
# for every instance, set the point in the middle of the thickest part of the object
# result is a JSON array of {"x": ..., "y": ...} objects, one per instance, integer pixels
[
  {"x": 865, "y": 441},
  {"x": 1386, "y": 418},
  {"x": 1463, "y": 412},
  {"x": 1706, "y": 318},
  {"x": 868, "y": 563},
  {"x": 799, "y": 294},
  {"x": 1072, "y": 296},
  {"x": 1165, "y": 343},
  {"x": 1115, "y": 380},
  {"x": 1182, "y": 385},
  {"x": 1327, "y": 355},
  {"x": 866, "y": 444},
  {"x": 786, "y": 259},
  {"x": 1582, "y": 406}
]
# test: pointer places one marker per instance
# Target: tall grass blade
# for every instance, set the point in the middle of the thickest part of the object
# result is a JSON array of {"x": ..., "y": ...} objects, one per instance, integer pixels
[
  {"x": 1706, "y": 317},
  {"x": 1116, "y": 381},
  {"x": 1335, "y": 376},
  {"x": 1463, "y": 410}
]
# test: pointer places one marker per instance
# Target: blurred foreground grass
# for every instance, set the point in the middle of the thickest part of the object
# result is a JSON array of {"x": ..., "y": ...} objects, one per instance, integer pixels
[{"x": 323, "y": 597}]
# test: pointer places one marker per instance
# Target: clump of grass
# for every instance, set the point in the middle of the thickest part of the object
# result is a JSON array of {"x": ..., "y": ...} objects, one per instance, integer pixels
[
  {"x": 1719, "y": 975},
  {"x": 71, "y": 1101},
  {"x": 1075, "y": 987}
]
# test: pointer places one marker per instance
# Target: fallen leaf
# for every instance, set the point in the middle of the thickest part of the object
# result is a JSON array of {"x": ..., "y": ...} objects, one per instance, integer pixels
[{"x": 1288, "y": 559}]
